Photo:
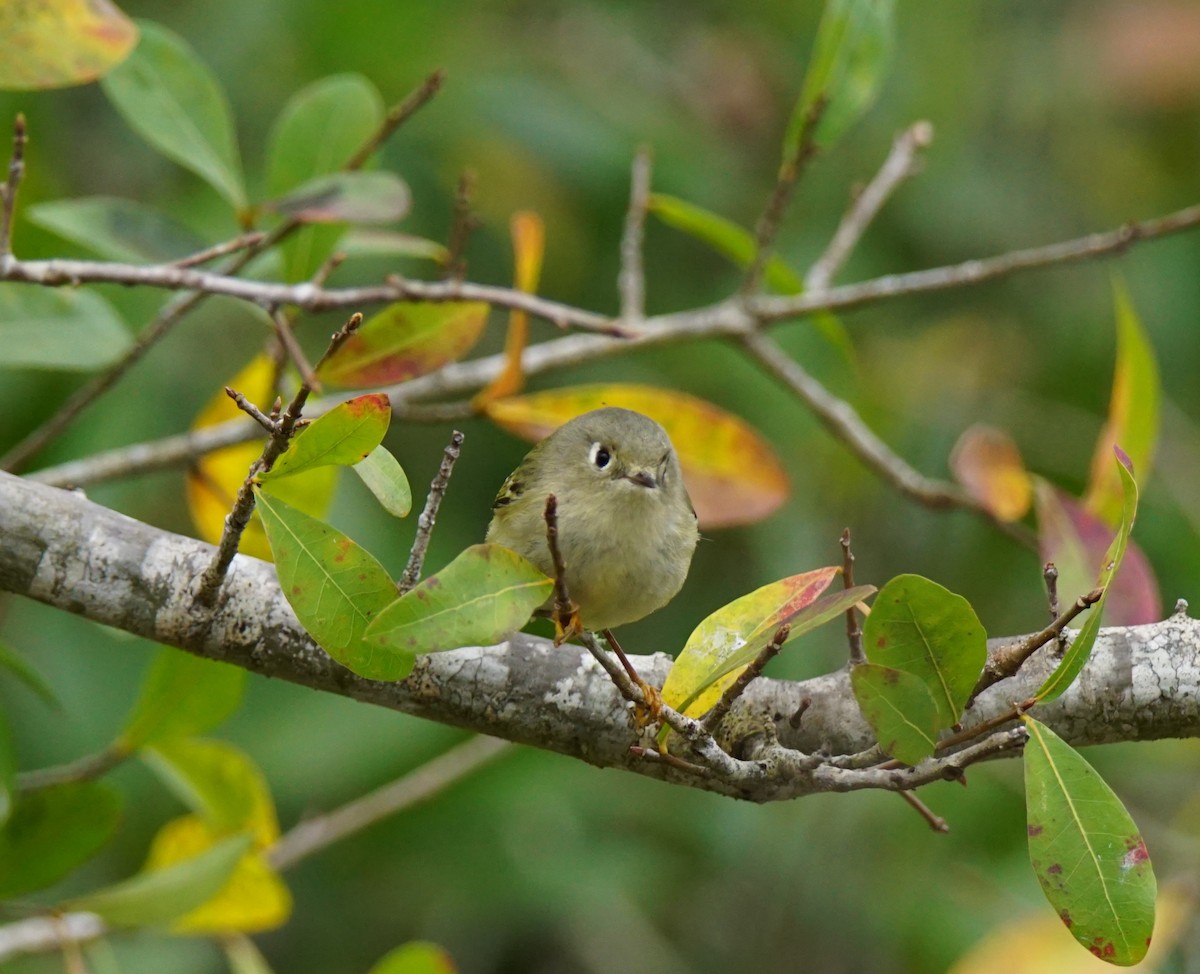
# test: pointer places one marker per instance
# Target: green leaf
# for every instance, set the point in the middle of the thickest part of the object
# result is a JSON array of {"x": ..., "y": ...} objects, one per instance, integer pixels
[
  {"x": 118, "y": 229},
  {"x": 318, "y": 131},
  {"x": 405, "y": 340},
  {"x": 1077, "y": 654},
  {"x": 347, "y": 197},
  {"x": 385, "y": 478},
  {"x": 1133, "y": 412},
  {"x": 220, "y": 783},
  {"x": 343, "y": 437},
  {"x": 335, "y": 587},
  {"x": 1086, "y": 851},
  {"x": 159, "y": 896},
  {"x": 41, "y": 328},
  {"x": 8, "y": 771},
  {"x": 54, "y": 830},
  {"x": 485, "y": 594},
  {"x": 55, "y": 43},
  {"x": 899, "y": 709},
  {"x": 182, "y": 695},
  {"x": 921, "y": 628},
  {"x": 171, "y": 99},
  {"x": 372, "y": 242},
  {"x": 27, "y": 675},
  {"x": 729, "y": 639},
  {"x": 849, "y": 60},
  {"x": 417, "y": 957}
]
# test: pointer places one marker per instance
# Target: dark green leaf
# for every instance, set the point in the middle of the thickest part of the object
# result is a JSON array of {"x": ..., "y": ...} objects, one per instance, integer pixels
[
  {"x": 42, "y": 328},
  {"x": 159, "y": 896},
  {"x": 171, "y": 99},
  {"x": 118, "y": 229},
  {"x": 335, "y": 587},
  {"x": 385, "y": 478},
  {"x": 921, "y": 628},
  {"x": 181, "y": 696},
  {"x": 485, "y": 594},
  {"x": 347, "y": 197},
  {"x": 1086, "y": 851},
  {"x": 54, "y": 830},
  {"x": 343, "y": 437},
  {"x": 899, "y": 709}
]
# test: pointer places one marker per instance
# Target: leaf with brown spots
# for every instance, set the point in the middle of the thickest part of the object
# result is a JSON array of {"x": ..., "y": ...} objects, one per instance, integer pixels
[{"x": 899, "y": 709}]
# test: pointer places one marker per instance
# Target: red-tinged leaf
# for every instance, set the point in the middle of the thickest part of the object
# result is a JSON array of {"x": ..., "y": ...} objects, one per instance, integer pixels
[
  {"x": 926, "y": 630},
  {"x": 732, "y": 474},
  {"x": 1077, "y": 542},
  {"x": 986, "y": 461},
  {"x": 899, "y": 709},
  {"x": 482, "y": 596},
  {"x": 1133, "y": 413},
  {"x": 729, "y": 639},
  {"x": 405, "y": 340},
  {"x": 55, "y": 43},
  {"x": 1087, "y": 852},
  {"x": 347, "y": 197},
  {"x": 342, "y": 437},
  {"x": 1080, "y": 649},
  {"x": 334, "y": 586}
]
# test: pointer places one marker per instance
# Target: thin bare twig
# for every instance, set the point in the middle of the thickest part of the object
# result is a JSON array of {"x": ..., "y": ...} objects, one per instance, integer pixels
[
  {"x": 8, "y": 192},
  {"x": 631, "y": 282},
  {"x": 245, "y": 241},
  {"x": 87, "y": 768},
  {"x": 767, "y": 227},
  {"x": 418, "y": 785},
  {"x": 564, "y": 608},
  {"x": 711, "y": 720},
  {"x": 397, "y": 116},
  {"x": 936, "y": 822},
  {"x": 853, "y": 629},
  {"x": 428, "y": 518},
  {"x": 901, "y": 163},
  {"x": 462, "y": 224},
  {"x": 268, "y": 423},
  {"x": 287, "y": 338},
  {"x": 1050, "y": 577},
  {"x": 987, "y": 726}
]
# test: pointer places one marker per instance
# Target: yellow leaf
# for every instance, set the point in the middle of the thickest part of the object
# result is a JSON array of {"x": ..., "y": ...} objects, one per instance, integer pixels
[
  {"x": 254, "y": 899},
  {"x": 986, "y": 461},
  {"x": 54, "y": 43},
  {"x": 732, "y": 473},
  {"x": 213, "y": 481}
]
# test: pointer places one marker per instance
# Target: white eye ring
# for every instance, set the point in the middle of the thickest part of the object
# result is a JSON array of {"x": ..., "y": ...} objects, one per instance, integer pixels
[{"x": 599, "y": 456}]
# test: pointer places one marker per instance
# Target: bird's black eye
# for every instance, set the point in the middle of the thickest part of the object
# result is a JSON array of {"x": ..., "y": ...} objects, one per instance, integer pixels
[{"x": 600, "y": 456}]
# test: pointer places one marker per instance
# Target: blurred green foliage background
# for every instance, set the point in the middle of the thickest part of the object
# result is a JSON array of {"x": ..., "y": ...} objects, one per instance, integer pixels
[{"x": 1051, "y": 120}]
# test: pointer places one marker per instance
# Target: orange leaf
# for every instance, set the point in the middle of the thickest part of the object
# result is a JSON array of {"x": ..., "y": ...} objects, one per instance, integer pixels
[
  {"x": 213, "y": 481},
  {"x": 986, "y": 461},
  {"x": 732, "y": 474}
]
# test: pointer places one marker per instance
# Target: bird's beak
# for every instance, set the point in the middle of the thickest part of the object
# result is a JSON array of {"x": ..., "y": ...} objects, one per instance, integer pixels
[{"x": 642, "y": 478}]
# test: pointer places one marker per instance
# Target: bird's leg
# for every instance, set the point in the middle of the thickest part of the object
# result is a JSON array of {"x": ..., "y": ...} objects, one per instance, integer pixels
[
  {"x": 642, "y": 717},
  {"x": 567, "y": 624}
]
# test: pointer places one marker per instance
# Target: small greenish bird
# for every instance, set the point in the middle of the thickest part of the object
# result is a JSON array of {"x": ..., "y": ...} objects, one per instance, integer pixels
[{"x": 626, "y": 526}]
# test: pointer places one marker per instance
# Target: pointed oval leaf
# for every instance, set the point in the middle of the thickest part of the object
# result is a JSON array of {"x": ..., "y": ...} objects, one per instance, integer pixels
[
  {"x": 924, "y": 629},
  {"x": 1086, "y": 851},
  {"x": 372, "y": 242},
  {"x": 159, "y": 896},
  {"x": 182, "y": 695},
  {"x": 733, "y": 475},
  {"x": 1077, "y": 653},
  {"x": 118, "y": 229},
  {"x": 342, "y": 437},
  {"x": 54, "y": 830},
  {"x": 347, "y": 197},
  {"x": 385, "y": 478},
  {"x": 335, "y": 587},
  {"x": 214, "y": 479},
  {"x": 170, "y": 98},
  {"x": 252, "y": 899},
  {"x": 43, "y": 328},
  {"x": 405, "y": 340},
  {"x": 729, "y": 639},
  {"x": 849, "y": 60},
  {"x": 416, "y": 957},
  {"x": 986, "y": 461},
  {"x": 899, "y": 709},
  {"x": 1133, "y": 413},
  {"x": 486, "y": 593},
  {"x": 220, "y": 783},
  {"x": 55, "y": 43}
]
